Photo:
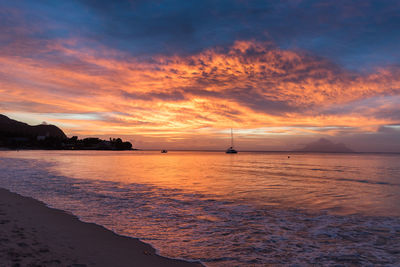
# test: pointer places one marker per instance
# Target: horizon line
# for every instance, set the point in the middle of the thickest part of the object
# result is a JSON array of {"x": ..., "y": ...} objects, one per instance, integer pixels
[{"x": 267, "y": 151}]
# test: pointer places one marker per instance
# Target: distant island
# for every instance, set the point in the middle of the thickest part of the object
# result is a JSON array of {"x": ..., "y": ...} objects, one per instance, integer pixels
[
  {"x": 19, "y": 135},
  {"x": 325, "y": 145}
]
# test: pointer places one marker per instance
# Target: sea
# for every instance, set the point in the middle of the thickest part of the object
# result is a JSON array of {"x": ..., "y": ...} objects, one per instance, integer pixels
[{"x": 245, "y": 209}]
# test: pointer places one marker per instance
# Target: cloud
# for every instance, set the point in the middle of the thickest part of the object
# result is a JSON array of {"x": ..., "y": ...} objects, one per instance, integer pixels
[
  {"x": 249, "y": 79},
  {"x": 247, "y": 85},
  {"x": 358, "y": 34},
  {"x": 173, "y": 69}
]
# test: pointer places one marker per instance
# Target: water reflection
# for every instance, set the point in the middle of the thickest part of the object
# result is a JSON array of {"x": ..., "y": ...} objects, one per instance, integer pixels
[
  {"x": 226, "y": 210},
  {"x": 339, "y": 183}
]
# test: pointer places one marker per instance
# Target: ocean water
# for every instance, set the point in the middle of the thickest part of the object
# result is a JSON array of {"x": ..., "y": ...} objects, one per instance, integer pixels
[{"x": 249, "y": 209}]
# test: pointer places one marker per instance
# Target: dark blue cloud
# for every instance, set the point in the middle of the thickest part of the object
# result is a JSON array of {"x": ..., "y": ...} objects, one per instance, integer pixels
[
  {"x": 170, "y": 96},
  {"x": 357, "y": 34}
]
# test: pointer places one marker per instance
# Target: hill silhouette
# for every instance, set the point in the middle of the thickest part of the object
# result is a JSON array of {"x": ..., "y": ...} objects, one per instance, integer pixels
[
  {"x": 13, "y": 128},
  {"x": 19, "y": 135},
  {"x": 325, "y": 145}
]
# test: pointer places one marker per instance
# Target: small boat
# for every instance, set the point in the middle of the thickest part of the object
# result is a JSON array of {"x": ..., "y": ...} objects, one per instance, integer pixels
[
  {"x": 231, "y": 150},
  {"x": 164, "y": 151}
]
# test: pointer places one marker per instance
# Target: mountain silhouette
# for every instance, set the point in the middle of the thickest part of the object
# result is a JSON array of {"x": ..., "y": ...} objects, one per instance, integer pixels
[
  {"x": 19, "y": 135},
  {"x": 9, "y": 127},
  {"x": 325, "y": 145}
]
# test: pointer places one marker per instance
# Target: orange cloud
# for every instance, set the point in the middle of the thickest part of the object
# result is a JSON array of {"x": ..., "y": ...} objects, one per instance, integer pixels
[{"x": 249, "y": 85}]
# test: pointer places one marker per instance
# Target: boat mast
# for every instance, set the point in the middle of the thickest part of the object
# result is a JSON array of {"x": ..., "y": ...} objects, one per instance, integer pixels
[{"x": 231, "y": 138}]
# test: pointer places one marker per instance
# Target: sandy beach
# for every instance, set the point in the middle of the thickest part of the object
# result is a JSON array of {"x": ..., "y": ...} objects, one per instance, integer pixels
[{"x": 32, "y": 234}]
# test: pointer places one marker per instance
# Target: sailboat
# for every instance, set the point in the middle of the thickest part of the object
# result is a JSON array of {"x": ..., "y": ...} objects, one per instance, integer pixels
[{"x": 231, "y": 150}]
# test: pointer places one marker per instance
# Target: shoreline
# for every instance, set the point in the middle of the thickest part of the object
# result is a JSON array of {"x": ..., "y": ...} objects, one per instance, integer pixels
[{"x": 33, "y": 233}]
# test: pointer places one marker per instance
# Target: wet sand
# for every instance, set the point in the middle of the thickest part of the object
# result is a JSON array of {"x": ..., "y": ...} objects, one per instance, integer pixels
[{"x": 32, "y": 234}]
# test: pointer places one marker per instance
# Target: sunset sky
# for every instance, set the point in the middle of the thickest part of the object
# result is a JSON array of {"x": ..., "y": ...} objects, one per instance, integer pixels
[{"x": 180, "y": 74}]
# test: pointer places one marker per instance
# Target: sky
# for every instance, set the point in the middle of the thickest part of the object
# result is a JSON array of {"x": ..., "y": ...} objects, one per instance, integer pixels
[{"x": 181, "y": 74}]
